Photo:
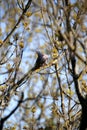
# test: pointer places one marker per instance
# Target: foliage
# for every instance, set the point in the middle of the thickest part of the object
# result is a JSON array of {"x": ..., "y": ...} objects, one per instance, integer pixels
[{"x": 52, "y": 92}]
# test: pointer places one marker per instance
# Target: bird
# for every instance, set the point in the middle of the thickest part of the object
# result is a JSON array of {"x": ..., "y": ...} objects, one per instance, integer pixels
[{"x": 40, "y": 61}]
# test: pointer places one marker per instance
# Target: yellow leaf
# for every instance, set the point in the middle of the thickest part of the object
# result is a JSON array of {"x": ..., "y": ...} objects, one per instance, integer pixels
[
  {"x": 11, "y": 70},
  {"x": 85, "y": 89},
  {"x": 38, "y": 14},
  {"x": 54, "y": 53},
  {"x": 0, "y": 31},
  {"x": 38, "y": 30},
  {"x": 33, "y": 109},
  {"x": 28, "y": 14},
  {"x": 14, "y": 127},
  {"x": 70, "y": 92},
  {"x": 80, "y": 78},
  {"x": 84, "y": 83},
  {"x": 8, "y": 66},
  {"x": 79, "y": 21},
  {"x": 75, "y": 16},
  {"x": 1, "y": 42},
  {"x": 25, "y": 128},
  {"x": 59, "y": 44},
  {"x": 25, "y": 24},
  {"x": 11, "y": 20},
  {"x": 86, "y": 69},
  {"x": 2, "y": 88},
  {"x": 21, "y": 44},
  {"x": 30, "y": 39}
]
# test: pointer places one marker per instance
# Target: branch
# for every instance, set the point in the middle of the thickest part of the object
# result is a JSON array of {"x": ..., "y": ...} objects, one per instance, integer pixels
[
  {"x": 72, "y": 47},
  {"x": 83, "y": 101},
  {"x": 2, "y": 121},
  {"x": 75, "y": 78},
  {"x": 20, "y": 18},
  {"x": 61, "y": 92}
]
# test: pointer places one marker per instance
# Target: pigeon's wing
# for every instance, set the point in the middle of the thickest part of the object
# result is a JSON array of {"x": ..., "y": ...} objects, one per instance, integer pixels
[{"x": 41, "y": 59}]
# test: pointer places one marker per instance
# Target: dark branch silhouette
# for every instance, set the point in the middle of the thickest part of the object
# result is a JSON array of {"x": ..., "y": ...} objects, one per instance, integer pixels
[
  {"x": 83, "y": 101},
  {"x": 20, "y": 18},
  {"x": 2, "y": 121}
]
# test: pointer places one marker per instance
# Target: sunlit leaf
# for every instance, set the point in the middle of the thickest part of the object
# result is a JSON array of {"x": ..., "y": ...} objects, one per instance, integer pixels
[
  {"x": 38, "y": 30},
  {"x": 21, "y": 44},
  {"x": 28, "y": 14},
  {"x": 54, "y": 53},
  {"x": 33, "y": 109},
  {"x": 70, "y": 92},
  {"x": 1, "y": 42}
]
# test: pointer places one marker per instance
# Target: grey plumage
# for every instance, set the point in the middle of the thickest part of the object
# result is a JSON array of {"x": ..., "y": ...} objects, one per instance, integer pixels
[{"x": 40, "y": 61}]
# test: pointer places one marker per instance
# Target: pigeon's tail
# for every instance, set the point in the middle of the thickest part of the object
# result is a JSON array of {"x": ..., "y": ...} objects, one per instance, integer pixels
[{"x": 34, "y": 68}]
